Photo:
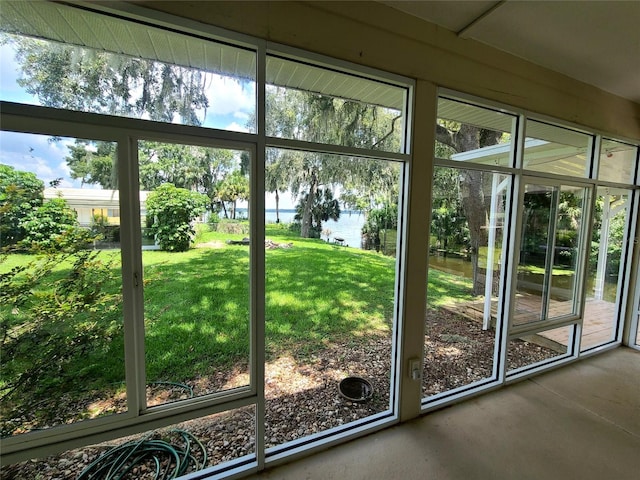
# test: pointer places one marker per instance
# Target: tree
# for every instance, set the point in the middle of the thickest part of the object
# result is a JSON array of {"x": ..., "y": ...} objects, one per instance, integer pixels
[
  {"x": 20, "y": 193},
  {"x": 67, "y": 76},
  {"x": 378, "y": 221},
  {"x": 473, "y": 183},
  {"x": 59, "y": 316},
  {"x": 173, "y": 210},
  {"x": 323, "y": 208},
  {"x": 192, "y": 167},
  {"x": 93, "y": 163},
  {"x": 232, "y": 188},
  {"x": 320, "y": 118}
]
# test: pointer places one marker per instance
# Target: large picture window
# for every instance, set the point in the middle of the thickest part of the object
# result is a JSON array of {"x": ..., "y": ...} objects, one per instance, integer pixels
[{"x": 161, "y": 302}]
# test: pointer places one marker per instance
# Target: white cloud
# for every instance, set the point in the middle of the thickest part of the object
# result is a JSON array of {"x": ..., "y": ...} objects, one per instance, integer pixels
[
  {"x": 241, "y": 116},
  {"x": 235, "y": 127},
  {"x": 227, "y": 96}
]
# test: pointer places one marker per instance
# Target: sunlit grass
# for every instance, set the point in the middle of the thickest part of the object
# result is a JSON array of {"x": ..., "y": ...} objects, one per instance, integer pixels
[{"x": 197, "y": 303}]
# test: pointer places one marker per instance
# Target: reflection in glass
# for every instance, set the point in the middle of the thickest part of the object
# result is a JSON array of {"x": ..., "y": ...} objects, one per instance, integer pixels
[
  {"x": 467, "y": 133},
  {"x": 604, "y": 269},
  {"x": 617, "y": 161},
  {"x": 315, "y": 104},
  {"x": 465, "y": 270},
  {"x": 549, "y": 252},
  {"x": 558, "y": 150},
  {"x": 123, "y": 68},
  {"x": 330, "y": 289},
  {"x": 194, "y": 223},
  {"x": 60, "y": 291}
]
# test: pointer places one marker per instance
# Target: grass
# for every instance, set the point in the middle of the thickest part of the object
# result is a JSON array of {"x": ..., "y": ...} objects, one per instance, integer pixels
[
  {"x": 446, "y": 289},
  {"x": 197, "y": 306}
]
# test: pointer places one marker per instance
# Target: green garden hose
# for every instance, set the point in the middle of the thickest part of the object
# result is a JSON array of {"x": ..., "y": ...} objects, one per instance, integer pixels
[{"x": 169, "y": 459}]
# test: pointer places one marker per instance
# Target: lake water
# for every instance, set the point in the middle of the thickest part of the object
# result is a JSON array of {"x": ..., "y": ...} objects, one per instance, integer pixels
[{"x": 348, "y": 226}]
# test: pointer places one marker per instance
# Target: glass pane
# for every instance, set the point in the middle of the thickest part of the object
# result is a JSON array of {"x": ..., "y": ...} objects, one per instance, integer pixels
[
  {"x": 60, "y": 285},
  {"x": 224, "y": 437},
  {"x": 467, "y": 133},
  {"x": 330, "y": 296},
  {"x": 195, "y": 229},
  {"x": 604, "y": 270},
  {"x": 465, "y": 271},
  {"x": 549, "y": 246},
  {"x": 530, "y": 350},
  {"x": 617, "y": 161},
  {"x": 324, "y": 106},
  {"x": 77, "y": 61},
  {"x": 552, "y": 149}
]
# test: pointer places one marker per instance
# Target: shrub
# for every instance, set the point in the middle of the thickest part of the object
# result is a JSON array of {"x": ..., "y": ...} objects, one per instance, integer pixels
[
  {"x": 51, "y": 319},
  {"x": 20, "y": 193},
  {"x": 172, "y": 210},
  {"x": 53, "y": 227}
]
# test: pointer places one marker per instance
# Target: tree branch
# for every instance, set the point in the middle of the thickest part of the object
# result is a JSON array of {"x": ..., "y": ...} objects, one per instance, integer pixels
[{"x": 446, "y": 137}]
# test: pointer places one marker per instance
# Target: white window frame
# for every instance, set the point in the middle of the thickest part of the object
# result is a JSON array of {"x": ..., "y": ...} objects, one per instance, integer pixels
[
  {"x": 126, "y": 132},
  {"x": 505, "y": 332}
]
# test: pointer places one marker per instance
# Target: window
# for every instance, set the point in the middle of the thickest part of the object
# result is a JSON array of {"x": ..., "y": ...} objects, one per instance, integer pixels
[
  {"x": 63, "y": 354},
  {"x": 467, "y": 247},
  {"x": 557, "y": 150},
  {"x": 136, "y": 70},
  {"x": 510, "y": 289},
  {"x": 549, "y": 258},
  {"x": 181, "y": 311},
  {"x": 331, "y": 303}
]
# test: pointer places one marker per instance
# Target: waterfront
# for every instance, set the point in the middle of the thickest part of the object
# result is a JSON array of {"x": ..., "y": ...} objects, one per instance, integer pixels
[{"x": 348, "y": 226}]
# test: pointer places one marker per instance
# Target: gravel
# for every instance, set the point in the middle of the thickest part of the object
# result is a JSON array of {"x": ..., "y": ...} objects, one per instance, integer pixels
[{"x": 302, "y": 393}]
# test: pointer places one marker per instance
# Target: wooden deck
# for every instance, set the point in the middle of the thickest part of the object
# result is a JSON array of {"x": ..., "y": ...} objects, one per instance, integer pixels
[{"x": 597, "y": 328}]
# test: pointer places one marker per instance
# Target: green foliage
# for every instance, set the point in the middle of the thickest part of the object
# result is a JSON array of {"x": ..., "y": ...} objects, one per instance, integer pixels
[
  {"x": 378, "y": 222},
  {"x": 231, "y": 188},
  {"x": 56, "y": 310},
  {"x": 319, "y": 118},
  {"x": 172, "y": 210},
  {"x": 103, "y": 230},
  {"x": 67, "y": 76},
  {"x": 95, "y": 165},
  {"x": 323, "y": 208},
  {"x": 20, "y": 193},
  {"x": 52, "y": 227}
]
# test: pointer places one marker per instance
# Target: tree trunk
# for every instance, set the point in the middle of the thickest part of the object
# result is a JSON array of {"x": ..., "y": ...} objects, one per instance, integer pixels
[
  {"x": 473, "y": 204},
  {"x": 277, "y": 207},
  {"x": 308, "y": 206}
]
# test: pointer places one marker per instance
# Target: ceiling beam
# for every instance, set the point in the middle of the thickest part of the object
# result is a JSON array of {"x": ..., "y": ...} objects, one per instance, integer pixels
[{"x": 463, "y": 32}]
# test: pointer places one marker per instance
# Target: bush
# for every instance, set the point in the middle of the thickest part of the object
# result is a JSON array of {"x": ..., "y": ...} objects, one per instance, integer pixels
[
  {"x": 53, "y": 227},
  {"x": 52, "y": 318},
  {"x": 172, "y": 210},
  {"x": 20, "y": 193},
  {"x": 233, "y": 227}
]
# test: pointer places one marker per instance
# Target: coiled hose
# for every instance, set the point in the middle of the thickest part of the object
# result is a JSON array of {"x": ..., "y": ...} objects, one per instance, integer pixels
[{"x": 169, "y": 459}]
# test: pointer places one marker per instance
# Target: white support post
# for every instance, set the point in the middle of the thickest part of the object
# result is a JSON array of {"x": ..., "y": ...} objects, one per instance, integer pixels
[
  {"x": 496, "y": 189},
  {"x": 608, "y": 213}
]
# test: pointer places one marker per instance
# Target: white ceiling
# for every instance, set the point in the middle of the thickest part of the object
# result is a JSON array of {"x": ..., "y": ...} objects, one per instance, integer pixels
[{"x": 597, "y": 42}]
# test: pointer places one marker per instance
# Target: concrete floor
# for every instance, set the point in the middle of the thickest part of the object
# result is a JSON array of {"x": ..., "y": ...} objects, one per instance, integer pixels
[{"x": 578, "y": 422}]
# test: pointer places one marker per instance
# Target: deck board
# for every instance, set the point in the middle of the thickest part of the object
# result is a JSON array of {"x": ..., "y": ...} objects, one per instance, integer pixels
[{"x": 597, "y": 328}]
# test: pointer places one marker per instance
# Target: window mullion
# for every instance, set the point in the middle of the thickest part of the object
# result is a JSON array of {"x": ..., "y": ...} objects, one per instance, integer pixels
[{"x": 132, "y": 274}]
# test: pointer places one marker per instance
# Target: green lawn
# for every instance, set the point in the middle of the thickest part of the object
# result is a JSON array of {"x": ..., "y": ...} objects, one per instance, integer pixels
[{"x": 197, "y": 307}]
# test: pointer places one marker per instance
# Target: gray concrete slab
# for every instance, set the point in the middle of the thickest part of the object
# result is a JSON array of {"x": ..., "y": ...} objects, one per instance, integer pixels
[{"x": 578, "y": 422}]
